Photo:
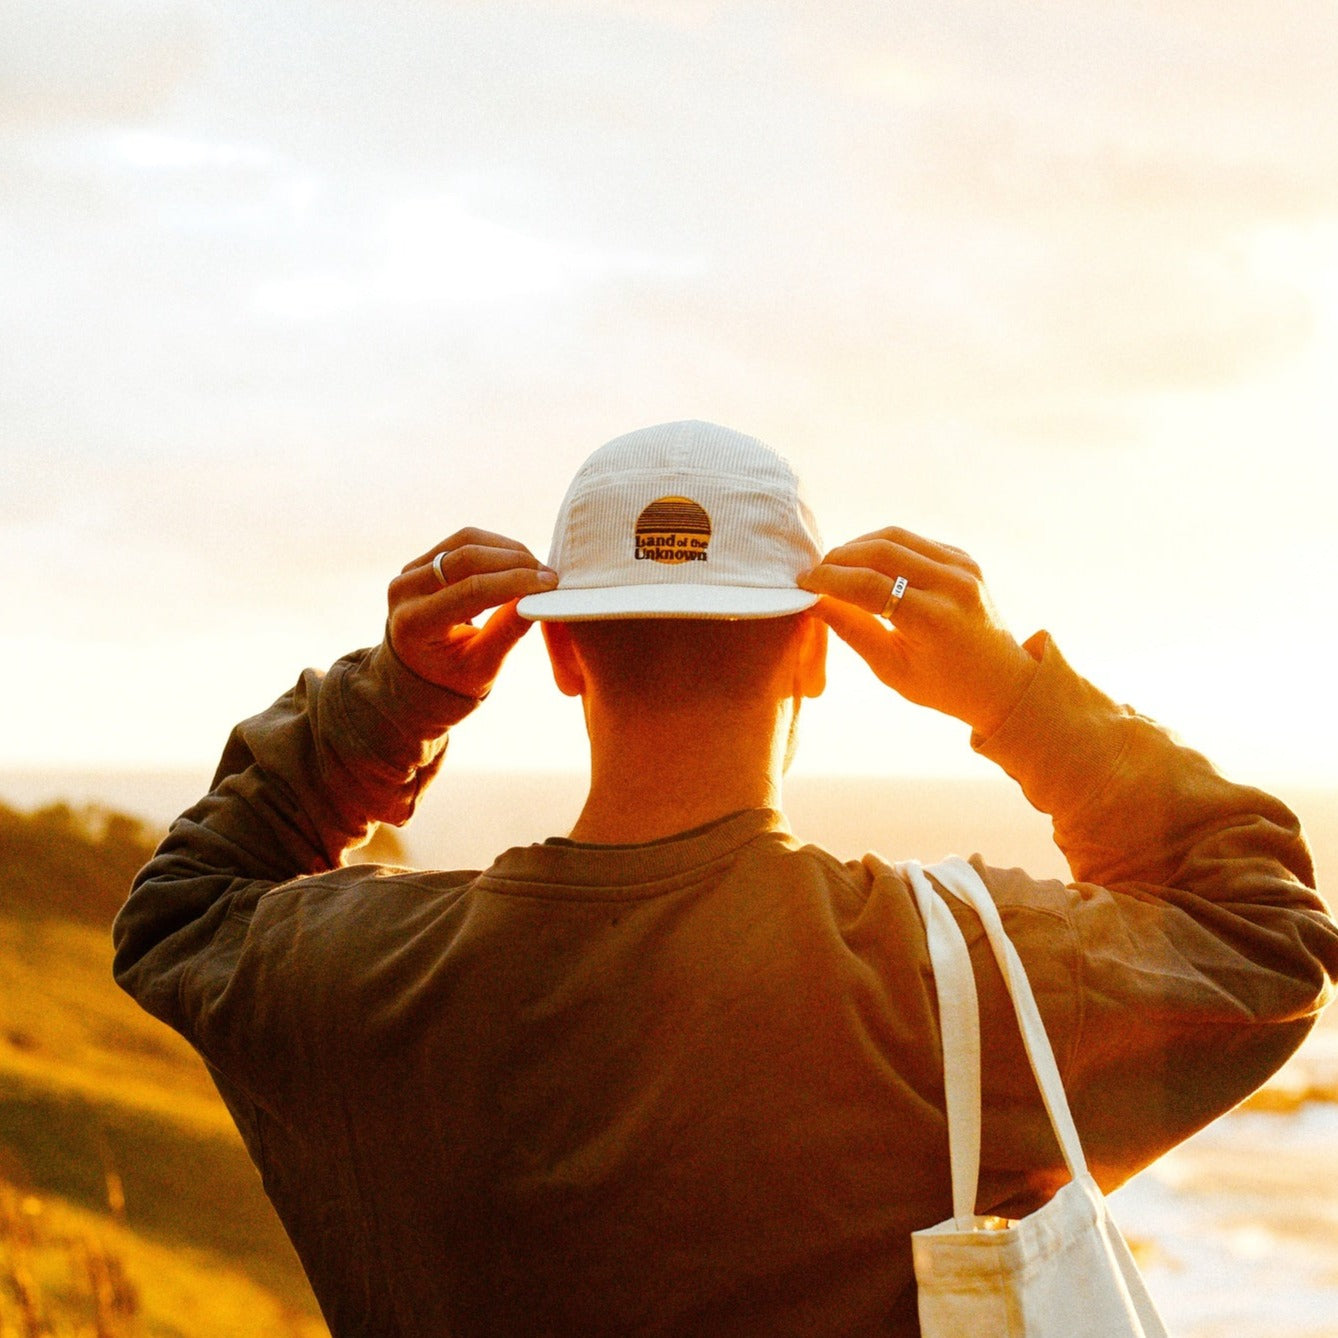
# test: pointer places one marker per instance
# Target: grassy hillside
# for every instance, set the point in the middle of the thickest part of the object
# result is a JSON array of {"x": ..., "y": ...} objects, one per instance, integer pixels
[
  {"x": 67, "y": 862},
  {"x": 128, "y": 1206}
]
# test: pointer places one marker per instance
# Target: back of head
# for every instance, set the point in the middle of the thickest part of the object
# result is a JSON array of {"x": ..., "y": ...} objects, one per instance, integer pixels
[
  {"x": 656, "y": 665},
  {"x": 679, "y": 620}
]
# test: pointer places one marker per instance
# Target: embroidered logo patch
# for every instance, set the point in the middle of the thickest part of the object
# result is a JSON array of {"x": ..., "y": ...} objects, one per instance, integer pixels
[{"x": 673, "y": 529}]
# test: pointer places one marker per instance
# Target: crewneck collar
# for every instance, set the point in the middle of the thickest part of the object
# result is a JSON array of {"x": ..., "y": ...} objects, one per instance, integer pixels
[{"x": 561, "y": 867}]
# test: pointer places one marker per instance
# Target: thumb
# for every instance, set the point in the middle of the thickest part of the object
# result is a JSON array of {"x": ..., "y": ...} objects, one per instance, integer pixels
[
  {"x": 494, "y": 640},
  {"x": 863, "y": 632},
  {"x": 881, "y": 647}
]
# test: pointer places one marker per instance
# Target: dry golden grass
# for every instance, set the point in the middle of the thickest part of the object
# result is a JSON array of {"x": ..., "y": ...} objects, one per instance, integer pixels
[
  {"x": 66, "y": 1272},
  {"x": 128, "y": 1207}
]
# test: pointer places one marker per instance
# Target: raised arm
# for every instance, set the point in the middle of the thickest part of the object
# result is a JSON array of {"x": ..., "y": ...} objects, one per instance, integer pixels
[
  {"x": 1189, "y": 956},
  {"x": 305, "y": 780}
]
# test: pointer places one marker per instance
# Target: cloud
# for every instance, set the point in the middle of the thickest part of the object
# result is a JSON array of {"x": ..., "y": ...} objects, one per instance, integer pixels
[
  {"x": 432, "y": 251},
  {"x": 62, "y": 60},
  {"x": 1062, "y": 330},
  {"x": 991, "y": 162},
  {"x": 948, "y": 237},
  {"x": 1105, "y": 96},
  {"x": 1031, "y": 241},
  {"x": 669, "y": 13}
]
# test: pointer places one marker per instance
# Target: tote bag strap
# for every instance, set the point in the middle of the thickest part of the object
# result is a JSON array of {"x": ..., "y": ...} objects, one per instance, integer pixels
[
  {"x": 959, "y": 878},
  {"x": 959, "y": 1024}
]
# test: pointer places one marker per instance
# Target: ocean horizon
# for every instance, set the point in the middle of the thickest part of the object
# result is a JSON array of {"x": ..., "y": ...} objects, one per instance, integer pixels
[{"x": 467, "y": 818}]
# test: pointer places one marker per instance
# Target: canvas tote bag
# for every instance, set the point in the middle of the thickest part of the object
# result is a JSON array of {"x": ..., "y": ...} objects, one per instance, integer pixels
[{"x": 1064, "y": 1271}]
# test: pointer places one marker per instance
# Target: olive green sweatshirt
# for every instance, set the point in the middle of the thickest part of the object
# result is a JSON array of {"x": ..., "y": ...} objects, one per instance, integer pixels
[{"x": 692, "y": 1087}]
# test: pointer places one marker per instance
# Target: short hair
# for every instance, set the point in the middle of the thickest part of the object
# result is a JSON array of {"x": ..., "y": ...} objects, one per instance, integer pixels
[{"x": 677, "y": 662}]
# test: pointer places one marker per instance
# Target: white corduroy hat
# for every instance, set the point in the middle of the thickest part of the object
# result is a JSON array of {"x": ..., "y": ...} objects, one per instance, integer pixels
[{"x": 681, "y": 520}]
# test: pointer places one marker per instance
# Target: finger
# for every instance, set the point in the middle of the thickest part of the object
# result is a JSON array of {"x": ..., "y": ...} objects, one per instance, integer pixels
[
  {"x": 494, "y": 640},
  {"x": 474, "y": 594},
  {"x": 457, "y": 563},
  {"x": 933, "y": 549},
  {"x": 842, "y": 617},
  {"x": 892, "y": 560},
  {"x": 875, "y": 567},
  {"x": 470, "y": 535},
  {"x": 861, "y": 586},
  {"x": 867, "y": 635}
]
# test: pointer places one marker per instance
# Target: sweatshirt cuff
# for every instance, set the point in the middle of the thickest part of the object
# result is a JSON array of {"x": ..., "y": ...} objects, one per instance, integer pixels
[
  {"x": 396, "y": 714},
  {"x": 1063, "y": 740}
]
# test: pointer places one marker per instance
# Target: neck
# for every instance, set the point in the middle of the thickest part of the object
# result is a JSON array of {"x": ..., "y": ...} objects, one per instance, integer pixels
[{"x": 654, "y": 777}]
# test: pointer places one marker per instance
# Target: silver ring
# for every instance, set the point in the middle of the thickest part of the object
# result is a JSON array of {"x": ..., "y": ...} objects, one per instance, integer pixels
[
  {"x": 898, "y": 590},
  {"x": 436, "y": 565}
]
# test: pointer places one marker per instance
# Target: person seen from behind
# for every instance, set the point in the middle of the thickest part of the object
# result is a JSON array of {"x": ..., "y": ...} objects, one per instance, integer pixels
[{"x": 675, "y": 1072}]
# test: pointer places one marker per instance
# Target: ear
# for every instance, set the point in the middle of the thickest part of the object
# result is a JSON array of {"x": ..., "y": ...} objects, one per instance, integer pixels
[
  {"x": 810, "y": 657},
  {"x": 568, "y": 672}
]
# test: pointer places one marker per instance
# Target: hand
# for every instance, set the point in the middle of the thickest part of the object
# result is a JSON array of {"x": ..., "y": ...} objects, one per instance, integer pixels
[
  {"x": 947, "y": 648},
  {"x": 430, "y": 625}
]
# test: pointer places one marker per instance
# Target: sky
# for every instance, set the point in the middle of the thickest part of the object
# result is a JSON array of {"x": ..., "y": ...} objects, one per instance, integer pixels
[{"x": 292, "y": 290}]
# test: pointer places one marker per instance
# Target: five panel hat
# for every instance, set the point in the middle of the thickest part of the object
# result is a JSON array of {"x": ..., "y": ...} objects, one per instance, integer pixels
[{"x": 680, "y": 520}]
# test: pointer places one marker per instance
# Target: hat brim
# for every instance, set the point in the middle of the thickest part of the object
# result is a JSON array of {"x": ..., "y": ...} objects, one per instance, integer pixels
[{"x": 666, "y": 600}]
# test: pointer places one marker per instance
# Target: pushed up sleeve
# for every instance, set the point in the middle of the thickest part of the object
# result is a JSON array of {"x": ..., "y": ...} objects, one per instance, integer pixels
[
  {"x": 1190, "y": 954},
  {"x": 297, "y": 786}
]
